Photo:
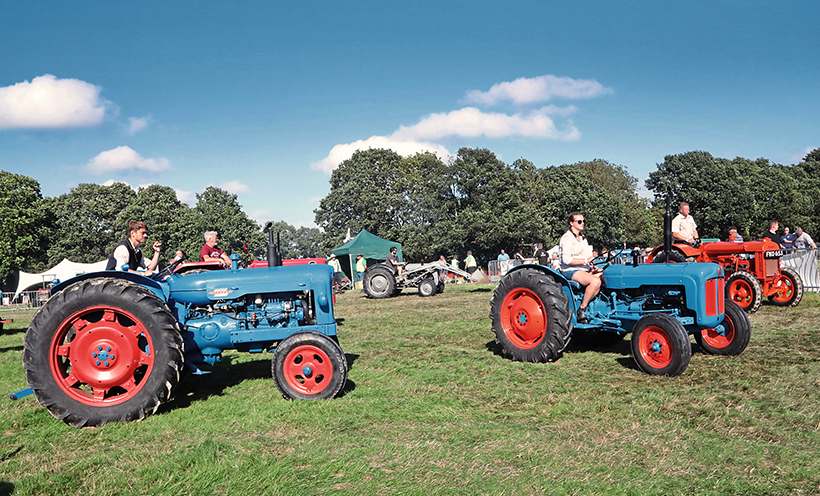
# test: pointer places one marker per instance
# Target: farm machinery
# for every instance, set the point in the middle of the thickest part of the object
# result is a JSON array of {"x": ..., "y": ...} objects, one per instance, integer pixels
[
  {"x": 110, "y": 346},
  {"x": 534, "y": 312},
  {"x": 752, "y": 270},
  {"x": 380, "y": 281}
]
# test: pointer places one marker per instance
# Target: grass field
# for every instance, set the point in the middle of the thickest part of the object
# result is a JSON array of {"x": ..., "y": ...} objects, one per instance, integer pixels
[{"x": 431, "y": 408}]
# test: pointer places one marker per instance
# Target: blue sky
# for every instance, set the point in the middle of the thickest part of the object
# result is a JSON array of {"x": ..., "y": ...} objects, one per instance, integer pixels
[{"x": 263, "y": 99}]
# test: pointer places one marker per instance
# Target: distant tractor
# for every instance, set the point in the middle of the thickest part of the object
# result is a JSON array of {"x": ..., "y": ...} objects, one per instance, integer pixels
[
  {"x": 752, "y": 270},
  {"x": 381, "y": 281},
  {"x": 110, "y": 346}
]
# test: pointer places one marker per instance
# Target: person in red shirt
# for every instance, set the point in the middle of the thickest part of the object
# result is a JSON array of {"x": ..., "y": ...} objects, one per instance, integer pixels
[{"x": 211, "y": 253}]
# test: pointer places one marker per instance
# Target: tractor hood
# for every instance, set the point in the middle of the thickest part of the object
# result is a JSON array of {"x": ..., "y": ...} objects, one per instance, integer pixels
[
  {"x": 207, "y": 287},
  {"x": 702, "y": 284}
]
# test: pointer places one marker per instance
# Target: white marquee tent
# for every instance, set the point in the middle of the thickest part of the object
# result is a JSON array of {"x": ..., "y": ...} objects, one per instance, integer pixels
[{"x": 62, "y": 271}]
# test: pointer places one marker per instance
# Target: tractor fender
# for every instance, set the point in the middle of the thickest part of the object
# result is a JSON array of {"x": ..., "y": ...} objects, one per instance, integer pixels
[
  {"x": 159, "y": 289},
  {"x": 570, "y": 288}
]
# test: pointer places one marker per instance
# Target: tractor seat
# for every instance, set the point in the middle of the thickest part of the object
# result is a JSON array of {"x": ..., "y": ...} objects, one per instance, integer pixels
[{"x": 575, "y": 285}]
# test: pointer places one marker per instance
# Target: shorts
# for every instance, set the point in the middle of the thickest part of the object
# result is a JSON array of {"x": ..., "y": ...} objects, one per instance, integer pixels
[{"x": 568, "y": 273}]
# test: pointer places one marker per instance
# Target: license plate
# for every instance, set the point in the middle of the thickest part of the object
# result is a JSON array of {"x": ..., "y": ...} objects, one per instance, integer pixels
[{"x": 773, "y": 254}]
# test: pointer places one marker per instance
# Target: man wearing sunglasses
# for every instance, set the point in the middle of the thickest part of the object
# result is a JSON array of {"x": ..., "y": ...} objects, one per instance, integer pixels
[{"x": 684, "y": 229}]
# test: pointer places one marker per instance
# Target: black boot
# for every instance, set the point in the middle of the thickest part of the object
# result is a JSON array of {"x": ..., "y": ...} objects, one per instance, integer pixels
[{"x": 582, "y": 318}]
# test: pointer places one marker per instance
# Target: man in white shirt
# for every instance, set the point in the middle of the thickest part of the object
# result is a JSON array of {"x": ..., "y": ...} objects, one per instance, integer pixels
[
  {"x": 803, "y": 240},
  {"x": 684, "y": 229}
]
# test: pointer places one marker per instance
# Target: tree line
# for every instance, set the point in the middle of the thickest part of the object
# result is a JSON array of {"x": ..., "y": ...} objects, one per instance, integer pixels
[{"x": 473, "y": 202}]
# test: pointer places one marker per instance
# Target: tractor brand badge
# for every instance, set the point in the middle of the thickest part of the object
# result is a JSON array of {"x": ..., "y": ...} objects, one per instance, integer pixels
[
  {"x": 773, "y": 254},
  {"x": 220, "y": 292}
]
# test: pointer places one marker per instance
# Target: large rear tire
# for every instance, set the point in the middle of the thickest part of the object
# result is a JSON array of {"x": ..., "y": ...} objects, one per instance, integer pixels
[
  {"x": 660, "y": 345},
  {"x": 103, "y": 350},
  {"x": 789, "y": 287},
  {"x": 675, "y": 256},
  {"x": 379, "y": 282},
  {"x": 730, "y": 337},
  {"x": 744, "y": 289},
  {"x": 531, "y": 317},
  {"x": 309, "y": 366}
]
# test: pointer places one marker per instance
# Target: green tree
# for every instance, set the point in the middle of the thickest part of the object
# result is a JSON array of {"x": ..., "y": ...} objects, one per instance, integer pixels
[
  {"x": 24, "y": 221},
  {"x": 87, "y": 222},
  {"x": 169, "y": 221}
]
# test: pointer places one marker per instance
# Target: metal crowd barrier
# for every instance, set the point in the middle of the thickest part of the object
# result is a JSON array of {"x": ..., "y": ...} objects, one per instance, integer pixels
[
  {"x": 805, "y": 263},
  {"x": 26, "y": 299}
]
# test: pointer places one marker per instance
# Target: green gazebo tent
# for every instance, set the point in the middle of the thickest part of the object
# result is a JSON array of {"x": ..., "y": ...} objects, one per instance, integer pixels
[{"x": 369, "y": 245}]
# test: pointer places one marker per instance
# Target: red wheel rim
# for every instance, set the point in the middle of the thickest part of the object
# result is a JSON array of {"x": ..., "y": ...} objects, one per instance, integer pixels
[
  {"x": 308, "y": 369},
  {"x": 100, "y": 356},
  {"x": 523, "y": 318},
  {"x": 784, "y": 289},
  {"x": 717, "y": 340},
  {"x": 741, "y": 292},
  {"x": 655, "y": 347}
]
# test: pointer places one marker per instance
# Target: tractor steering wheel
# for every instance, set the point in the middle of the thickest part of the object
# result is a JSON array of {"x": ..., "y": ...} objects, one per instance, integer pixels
[
  {"x": 603, "y": 260},
  {"x": 168, "y": 270}
]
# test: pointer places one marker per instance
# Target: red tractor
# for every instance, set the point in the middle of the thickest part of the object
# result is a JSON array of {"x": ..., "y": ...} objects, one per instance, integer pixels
[{"x": 752, "y": 270}]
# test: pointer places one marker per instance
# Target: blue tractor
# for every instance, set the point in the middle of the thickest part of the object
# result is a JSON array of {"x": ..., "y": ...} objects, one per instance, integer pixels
[
  {"x": 110, "y": 346},
  {"x": 533, "y": 312}
]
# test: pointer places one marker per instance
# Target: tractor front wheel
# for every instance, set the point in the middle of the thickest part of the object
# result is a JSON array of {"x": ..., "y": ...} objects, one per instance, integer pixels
[
  {"x": 788, "y": 287},
  {"x": 102, "y": 350},
  {"x": 744, "y": 289},
  {"x": 660, "y": 345},
  {"x": 309, "y": 366},
  {"x": 531, "y": 316},
  {"x": 730, "y": 337},
  {"x": 427, "y": 287}
]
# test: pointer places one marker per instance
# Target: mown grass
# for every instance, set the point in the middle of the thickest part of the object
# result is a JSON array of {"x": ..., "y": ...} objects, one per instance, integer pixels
[{"x": 431, "y": 408}]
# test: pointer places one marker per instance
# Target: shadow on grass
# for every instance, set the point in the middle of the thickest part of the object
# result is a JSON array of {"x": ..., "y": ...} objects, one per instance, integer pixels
[
  {"x": 193, "y": 388},
  {"x": 8, "y": 331},
  {"x": 481, "y": 290},
  {"x": 11, "y": 348},
  {"x": 6, "y": 487}
]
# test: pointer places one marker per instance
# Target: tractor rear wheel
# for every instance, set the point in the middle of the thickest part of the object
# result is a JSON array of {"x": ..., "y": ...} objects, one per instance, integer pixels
[
  {"x": 675, "y": 256},
  {"x": 744, "y": 289},
  {"x": 440, "y": 286},
  {"x": 531, "y": 317},
  {"x": 427, "y": 287},
  {"x": 789, "y": 287},
  {"x": 309, "y": 366},
  {"x": 379, "y": 282},
  {"x": 103, "y": 350},
  {"x": 660, "y": 345},
  {"x": 730, "y": 337}
]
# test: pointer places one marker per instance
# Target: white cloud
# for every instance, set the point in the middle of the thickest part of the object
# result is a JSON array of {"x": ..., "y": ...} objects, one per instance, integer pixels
[
  {"x": 340, "y": 153},
  {"x": 136, "y": 125},
  {"x": 236, "y": 187},
  {"x": 799, "y": 156},
  {"x": 49, "y": 102},
  {"x": 188, "y": 197},
  {"x": 471, "y": 122},
  {"x": 111, "y": 182},
  {"x": 525, "y": 91},
  {"x": 124, "y": 158}
]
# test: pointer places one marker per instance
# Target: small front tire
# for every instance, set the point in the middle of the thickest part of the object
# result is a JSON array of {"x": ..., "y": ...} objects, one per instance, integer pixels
[
  {"x": 309, "y": 366},
  {"x": 660, "y": 345},
  {"x": 427, "y": 287}
]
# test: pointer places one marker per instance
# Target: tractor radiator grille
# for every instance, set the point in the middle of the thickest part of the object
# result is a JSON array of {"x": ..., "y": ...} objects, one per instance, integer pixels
[
  {"x": 772, "y": 266},
  {"x": 714, "y": 296}
]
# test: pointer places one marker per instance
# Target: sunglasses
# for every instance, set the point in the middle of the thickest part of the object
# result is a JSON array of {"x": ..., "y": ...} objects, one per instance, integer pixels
[{"x": 578, "y": 221}]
